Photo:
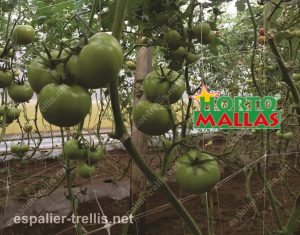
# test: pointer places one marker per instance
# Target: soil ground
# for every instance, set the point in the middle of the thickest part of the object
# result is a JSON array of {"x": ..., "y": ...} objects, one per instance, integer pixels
[{"x": 231, "y": 211}]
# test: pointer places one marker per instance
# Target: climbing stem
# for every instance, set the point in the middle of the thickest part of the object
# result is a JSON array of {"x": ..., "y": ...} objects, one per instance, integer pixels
[{"x": 121, "y": 132}]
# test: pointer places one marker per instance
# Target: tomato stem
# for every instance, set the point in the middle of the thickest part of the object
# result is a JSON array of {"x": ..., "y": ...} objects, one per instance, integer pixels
[{"x": 121, "y": 132}]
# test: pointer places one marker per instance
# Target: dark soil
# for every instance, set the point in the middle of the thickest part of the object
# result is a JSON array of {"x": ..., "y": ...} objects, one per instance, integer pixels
[{"x": 232, "y": 213}]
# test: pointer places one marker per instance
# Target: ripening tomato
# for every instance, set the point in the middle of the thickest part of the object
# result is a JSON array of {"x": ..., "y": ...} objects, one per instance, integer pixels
[
  {"x": 261, "y": 32},
  {"x": 261, "y": 40}
]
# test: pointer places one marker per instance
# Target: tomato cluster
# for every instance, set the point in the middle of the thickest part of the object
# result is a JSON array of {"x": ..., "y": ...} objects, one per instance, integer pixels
[
  {"x": 9, "y": 114},
  {"x": 62, "y": 78},
  {"x": 19, "y": 149},
  {"x": 175, "y": 46},
  {"x": 89, "y": 156},
  {"x": 161, "y": 89}
]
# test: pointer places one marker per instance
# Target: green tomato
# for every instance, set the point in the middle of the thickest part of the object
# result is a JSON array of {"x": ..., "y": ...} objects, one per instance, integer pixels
[
  {"x": 279, "y": 134},
  {"x": 297, "y": 33},
  {"x": 73, "y": 151},
  {"x": 64, "y": 105},
  {"x": 72, "y": 67},
  {"x": 145, "y": 40},
  {"x": 39, "y": 74},
  {"x": 270, "y": 67},
  {"x": 197, "y": 172},
  {"x": 296, "y": 77},
  {"x": 191, "y": 58},
  {"x": 249, "y": 81},
  {"x": 6, "y": 78},
  {"x": 172, "y": 39},
  {"x": 151, "y": 118},
  {"x": 27, "y": 127},
  {"x": 175, "y": 65},
  {"x": 23, "y": 34},
  {"x": 85, "y": 171},
  {"x": 161, "y": 87},
  {"x": 15, "y": 148},
  {"x": 24, "y": 148},
  {"x": 130, "y": 64},
  {"x": 6, "y": 6},
  {"x": 9, "y": 53},
  {"x": 288, "y": 136},
  {"x": 201, "y": 31},
  {"x": 280, "y": 85},
  {"x": 209, "y": 38},
  {"x": 20, "y": 92},
  {"x": 167, "y": 144},
  {"x": 2, "y": 110},
  {"x": 94, "y": 155},
  {"x": 178, "y": 54},
  {"x": 99, "y": 61},
  {"x": 12, "y": 114}
]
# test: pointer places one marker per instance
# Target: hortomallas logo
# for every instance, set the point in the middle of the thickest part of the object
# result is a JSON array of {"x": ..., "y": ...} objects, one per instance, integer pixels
[{"x": 237, "y": 112}]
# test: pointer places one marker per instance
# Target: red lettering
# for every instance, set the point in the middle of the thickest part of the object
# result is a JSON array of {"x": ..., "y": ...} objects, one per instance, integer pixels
[
  {"x": 246, "y": 120},
  {"x": 261, "y": 120},
  {"x": 224, "y": 120},
  {"x": 274, "y": 119},
  {"x": 236, "y": 119},
  {"x": 205, "y": 120}
]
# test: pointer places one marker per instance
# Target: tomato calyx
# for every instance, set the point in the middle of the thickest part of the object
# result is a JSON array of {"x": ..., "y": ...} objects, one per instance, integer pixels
[
  {"x": 163, "y": 77},
  {"x": 197, "y": 161}
]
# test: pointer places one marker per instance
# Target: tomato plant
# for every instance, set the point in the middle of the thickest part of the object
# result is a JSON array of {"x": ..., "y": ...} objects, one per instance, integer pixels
[{"x": 171, "y": 49}]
